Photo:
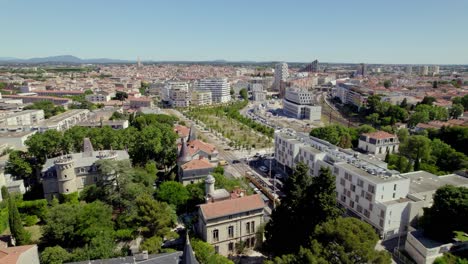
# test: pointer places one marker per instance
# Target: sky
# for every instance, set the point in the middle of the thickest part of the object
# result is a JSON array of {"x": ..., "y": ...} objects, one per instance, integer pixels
[{"x": 352, "y": 31}]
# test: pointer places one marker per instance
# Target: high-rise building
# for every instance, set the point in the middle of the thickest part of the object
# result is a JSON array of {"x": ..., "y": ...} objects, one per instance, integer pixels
[
  {"x": 312, "y": 67},
  {"x": 219, "y": 88},
  {"x": 281, "y": 75},
  {"x": 176, "y": 94},
  {"x": 424, "y": 70},
  {"x": 362, "y": 69},
  {"x": 409, "y": 69},
  {"x": 435, "y": 69}
]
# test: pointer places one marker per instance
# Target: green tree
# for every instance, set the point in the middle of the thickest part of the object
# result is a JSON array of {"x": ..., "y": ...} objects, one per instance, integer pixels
[
  {"x": 374, "y": 119},
  {"x": 55, "y": 255},
  {"x": 404, "y": 103},
  {"x": 205, "y": 253},
  {"x": 456, "y": 111},
  {"x": 173, "y": 193},
  {"x": 154, "y": 217},
  {"x": 417, "y": 148},
  {"x": 152, "y": 244},
  {"x": 447, "y": 213},
  {"x": 22, "y": 237},
  {"x": 349, "y": 240},
  {"x": 45, "y": 145},
  {"x": 244, "y": 94},
  {"x": 48, "y": 107},
  {"x": 18, "y": 166},
  {"x": 387, "y": 84},
  {"x": 121, "y": 96},
  {"x": 418, "y": 117},
  {"x": 428, "y": 100}
]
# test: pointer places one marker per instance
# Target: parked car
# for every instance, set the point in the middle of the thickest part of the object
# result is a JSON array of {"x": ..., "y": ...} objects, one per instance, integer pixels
[{"x": 263, "y": 168}]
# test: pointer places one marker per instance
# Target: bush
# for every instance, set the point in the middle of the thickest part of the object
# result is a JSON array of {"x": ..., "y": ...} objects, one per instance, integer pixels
[
  {"x": 124, "y": 234},
  {"x": 152, "y": 244},
  {"x": 36, "y": 207},
  {"x": 30, "y": 220},
  {"x": 3, "y": 219}
]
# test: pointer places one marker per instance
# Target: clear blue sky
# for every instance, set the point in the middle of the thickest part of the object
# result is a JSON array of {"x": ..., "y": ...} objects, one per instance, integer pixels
[{"x": 372, "y": 31}]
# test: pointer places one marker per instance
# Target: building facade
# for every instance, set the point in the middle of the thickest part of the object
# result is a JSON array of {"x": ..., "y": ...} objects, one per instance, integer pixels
[
  {"x": 201, "y": 98},
  {"x": 219, "y": 88},
  {"x": 299, "y": 104},
  {"x": 226, "y": 222},
  {"x": 379, "y": 143},
  {"x": 281, "y": 75},
  {"x": 71, "y": 173},
  {"x": 386, "y": 199}
]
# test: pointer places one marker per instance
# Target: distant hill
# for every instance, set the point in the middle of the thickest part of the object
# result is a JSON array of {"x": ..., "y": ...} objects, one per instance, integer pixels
[{"x": 60, "y": 59}]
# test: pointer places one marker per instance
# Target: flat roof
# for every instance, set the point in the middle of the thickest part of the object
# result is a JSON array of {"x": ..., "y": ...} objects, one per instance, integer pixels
[
  {"x": 363, "y": 173},
  {"x": 423, "y": 181}
]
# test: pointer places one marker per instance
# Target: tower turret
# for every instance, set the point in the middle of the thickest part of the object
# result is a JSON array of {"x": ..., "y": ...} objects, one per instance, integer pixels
[
  {"x": 192, "y": 134},
  {"x": 209, "y": 186},
  {"x": 66, "y": 177},
  {"x": 184, "y": 155}
]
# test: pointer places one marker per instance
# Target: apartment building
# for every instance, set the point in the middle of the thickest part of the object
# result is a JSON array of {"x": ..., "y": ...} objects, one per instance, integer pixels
[
  {"x": 35, "y": 98},
  {"x": 20, "y": 121},
  {"x": 201, "y": 98},
  {"x": 353, "y": 94},
  {"x": 379, "y": 143},
  {"x": 299, "y": 104},
  {"x": 365, "y": 187},
  {"x": 219, "y": 87},
  {"x": 227, "y": 219},
  {"x": 256, "y": 92},
  {"x": 99, "y": 97},
  {"x": 63, "y": 121},
  {"x": 281, "y": 75},
  {"x": 136, "y": 103}
]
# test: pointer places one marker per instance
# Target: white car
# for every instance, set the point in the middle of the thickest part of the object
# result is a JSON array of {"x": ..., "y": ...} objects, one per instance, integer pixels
[{"x": 263, "y": 168}]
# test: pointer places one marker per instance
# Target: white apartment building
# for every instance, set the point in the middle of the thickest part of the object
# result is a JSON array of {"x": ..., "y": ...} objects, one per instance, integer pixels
[
  {"x": 64, "y": 120},
  {"x": 299, "y": 104},
  {"x": 20, "y": 121},
  {"x": 98, "y": 97},
  {"x": 176, "y": 94},
  {"x": 386, "y": 199},
  {"x": 256, "y": 92},
  {"x": 424, "y": 70},
  {"x": 201, "y": 98},
  {"x": 379, "y": 143},
  {"x": 219, "y": 87},
  {"x": 281, "y": 74}
]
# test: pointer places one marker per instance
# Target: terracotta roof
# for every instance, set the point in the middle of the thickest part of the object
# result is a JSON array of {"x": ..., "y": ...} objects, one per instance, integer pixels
[
  {"x": 379, "y": 135},
  {"x": 197, "y": 164},
  {"x": 182, "y": 131},
  {"x": 11, "y": 255},
  {"x": 196, "y": 145},
  {"x": 232, "y": 206}
]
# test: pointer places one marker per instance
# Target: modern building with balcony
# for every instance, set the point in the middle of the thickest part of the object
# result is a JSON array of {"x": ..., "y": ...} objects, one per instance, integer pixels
[
  {"x": 365, "y": 187},
  {"x": 298, "y": 103}
]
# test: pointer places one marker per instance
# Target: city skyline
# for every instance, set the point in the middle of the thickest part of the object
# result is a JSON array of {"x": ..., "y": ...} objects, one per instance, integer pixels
[{"x": 419, "y": 32}]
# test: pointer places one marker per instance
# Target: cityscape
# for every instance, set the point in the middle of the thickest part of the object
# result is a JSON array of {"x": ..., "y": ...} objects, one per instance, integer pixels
[{"x": 142, "y": 138}]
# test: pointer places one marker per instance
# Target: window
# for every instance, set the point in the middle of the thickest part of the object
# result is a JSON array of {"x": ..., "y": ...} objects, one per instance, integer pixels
[
  {"x": 252, "y": 226},
  {"x": 252, "y": 242},
  {"x": 381, "y": 222},
  {"x": 366, "y": 213},
  {"x": 382, "y": 213},
  {"x": 371, "y": 206},
  {"x": 394, "y": 195},
  {"x": 247, "y": 227},
  {"x": 353, "y": 187},
  {"x": 351, "y": 204},
  {"x": 231, "y": 246},
  {"x": 360, "y": 183},
  {"x": 371, "y": 188},
  {"x": 215, "y": 235},
  {"x": 216, "y": 249},
  {"x": 83, "y": 181},
  {"x": 363, "y": 193},
  {"x": 231, "y": 231},
  {"x": 359, "y": 208},
  {"x": 368, "y": 196},
  {"x": 342, "y": 182},
  {"x": 394, "y": 187},
  {"x": 336, "y": 171},
  {"x": 343, "y": 198},
  {"x": 357, "y": 198}
]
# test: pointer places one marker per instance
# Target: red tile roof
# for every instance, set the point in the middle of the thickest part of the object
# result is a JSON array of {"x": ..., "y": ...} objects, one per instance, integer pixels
[
  {"x": 12, "y": 254},
  {"x": 233, "y": 206},
  {"x": 182, "y": 131},
  {"x": 196, "y": 145},
  {"x": 197, "y": 164},
  {"x": 379, "y": 135}
]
